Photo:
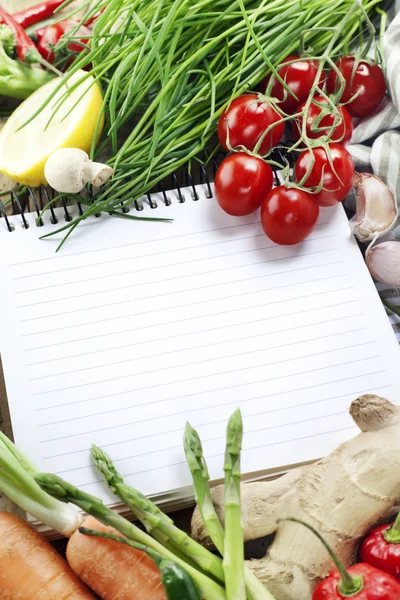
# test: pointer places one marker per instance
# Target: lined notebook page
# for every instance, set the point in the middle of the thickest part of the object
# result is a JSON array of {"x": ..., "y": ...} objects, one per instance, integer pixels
[{"x": 134, "y": 328}]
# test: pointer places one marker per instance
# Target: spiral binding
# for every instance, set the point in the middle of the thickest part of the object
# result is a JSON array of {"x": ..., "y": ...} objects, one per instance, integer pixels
[{"x": 189, "y": 179}]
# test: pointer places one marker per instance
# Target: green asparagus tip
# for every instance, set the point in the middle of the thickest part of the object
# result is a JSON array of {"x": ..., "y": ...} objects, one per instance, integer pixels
[
  {"x": 105, "y": 465},
  {"x": 66, "y": 492},
  {"x": 55, "y": 486},
  {"x": 234, "y": 432},
  {"x": 194, "y": 451},
  {"x": 95, "y": 450},
  {"x": 192, "y": 441}
]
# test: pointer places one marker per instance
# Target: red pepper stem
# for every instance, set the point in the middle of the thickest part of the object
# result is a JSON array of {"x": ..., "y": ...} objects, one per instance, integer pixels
[
  {"x": 348, "y": 586},
  {"x": 392, "y": 535}
]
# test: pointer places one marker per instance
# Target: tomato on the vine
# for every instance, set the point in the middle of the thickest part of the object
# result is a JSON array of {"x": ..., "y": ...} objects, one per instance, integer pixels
[
  {"x": 362, "y": 78},
  {"x": 241, "y": 183},
  {"x": 244, "y": 122},
  {"x": 334, "y": 171},
  {"x": 317, "y": 126},
  {"x": 299, "y": 77},
  {"x": 288, "y": 215}
]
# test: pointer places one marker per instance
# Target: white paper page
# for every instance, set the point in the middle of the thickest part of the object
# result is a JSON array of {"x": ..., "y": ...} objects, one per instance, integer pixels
[{"x": 134, "y": 328}]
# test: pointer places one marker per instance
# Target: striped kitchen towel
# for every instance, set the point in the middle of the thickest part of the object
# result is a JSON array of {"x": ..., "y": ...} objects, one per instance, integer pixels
[{"x": 375, "y": 145}]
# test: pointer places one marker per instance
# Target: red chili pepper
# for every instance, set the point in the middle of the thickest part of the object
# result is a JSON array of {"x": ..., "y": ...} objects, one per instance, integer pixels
[
  {"x": 361, "y": 581},
  {"x": 52, "y": 34},
  {"x": 35, "y": 14},
  {"x": 26, "y": 49},
  {"x": 365, "y": 582},
  {"x": 40, "y": 31},
  {"x": 381, "y": 548},
  {"x": 90, "y": 21}
]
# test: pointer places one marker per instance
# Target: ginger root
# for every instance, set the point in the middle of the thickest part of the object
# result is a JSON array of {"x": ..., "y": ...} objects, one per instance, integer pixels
[{"x": 342, "y": 495}]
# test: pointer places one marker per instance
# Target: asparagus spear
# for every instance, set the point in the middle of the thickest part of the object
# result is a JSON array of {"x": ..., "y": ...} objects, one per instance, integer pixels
[
  {"x": 64, "y": 491},
  {"x": 198, "y": 467},
  {"x": 157, "y": 523},
  {"x": 234, "y": 543},
  {"x": 177, "y": 582}
]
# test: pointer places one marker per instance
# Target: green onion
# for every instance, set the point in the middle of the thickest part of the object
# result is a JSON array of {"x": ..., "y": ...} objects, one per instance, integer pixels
[{"x": 17, "y": 481}]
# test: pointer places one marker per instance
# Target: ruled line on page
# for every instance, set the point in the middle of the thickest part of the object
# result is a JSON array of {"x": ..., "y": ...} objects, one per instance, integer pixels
[
  {"x": 170, "y": 279},
  {"x": 67, "y": 254},
  {"x": 224, "y": 388},
  {"x": 204, "y": 440},
  {"x": 178, "y": 335},
  {"x": 145, "y": 356},
  {"x": 119, "y": 246},
  {"x": 272, "y": 317},
  {"x": 183, "y": 321},
  {"x": 197, "y": 409},
  {"x": 135, "y": 257},
  {"x": 246, "y": 400},
  {"x": 177, "y": 264},
  {"x": 365, "y": 358},
  {"x": 102, "y": 335},
  {"x": 206, "y": 360},
  {"x": 221, "y": 455},
  {"x": 162, "y": 252},
  {"x": 336, "y": 262},
  {"x": 135, "y": 374},
  {"x": 109, "y": 395},
  {"x": 196, "y": 362}
]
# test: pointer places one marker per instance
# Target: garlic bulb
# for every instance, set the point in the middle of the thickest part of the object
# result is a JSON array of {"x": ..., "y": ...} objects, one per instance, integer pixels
[
  {"x": 376, "y": 211},
  {"x": 383, "y": 263}
]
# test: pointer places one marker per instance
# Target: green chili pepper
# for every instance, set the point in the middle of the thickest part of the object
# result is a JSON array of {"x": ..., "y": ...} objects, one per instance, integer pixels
[{"x": 177, "y": 582}]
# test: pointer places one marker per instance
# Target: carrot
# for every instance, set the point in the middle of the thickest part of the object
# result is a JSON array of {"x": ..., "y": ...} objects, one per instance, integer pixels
[
  {"x": 31, "y": 569},
  {"x": 112, "y": 570}
]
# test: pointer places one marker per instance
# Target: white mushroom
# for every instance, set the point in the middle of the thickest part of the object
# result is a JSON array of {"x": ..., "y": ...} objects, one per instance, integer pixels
[{"x": 68, "y": 171}]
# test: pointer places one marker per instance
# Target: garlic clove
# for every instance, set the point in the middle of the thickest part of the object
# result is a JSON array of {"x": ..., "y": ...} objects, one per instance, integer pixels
[
  {"x": 376, "y": 207},
  {"x": 383, "y": 261}
]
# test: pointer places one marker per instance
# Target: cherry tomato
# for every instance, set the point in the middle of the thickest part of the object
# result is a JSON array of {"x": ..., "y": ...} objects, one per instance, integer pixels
[
  {"x": 316, "y": 128},
  {"x": 247, "y": 118},
  {"x": 288, "y": 215},
  {"x": 368, "y": 80},
  {"x": 299, "y": 77},
  {"x": 317, "y": 162},
  {"x": 241, "y": 183}
]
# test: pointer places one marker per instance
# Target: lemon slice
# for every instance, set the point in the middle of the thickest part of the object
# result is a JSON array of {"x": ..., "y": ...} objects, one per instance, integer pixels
[{"x": 23, "y": 152}]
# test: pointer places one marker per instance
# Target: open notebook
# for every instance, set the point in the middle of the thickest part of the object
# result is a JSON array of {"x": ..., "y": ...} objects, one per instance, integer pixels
[{"x": 134, "y": 328}]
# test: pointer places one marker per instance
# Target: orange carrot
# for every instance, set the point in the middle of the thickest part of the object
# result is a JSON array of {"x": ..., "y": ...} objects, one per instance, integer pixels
[
  {"x": 112, "y": 570},
  {"x": 31, "y": 569}
]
